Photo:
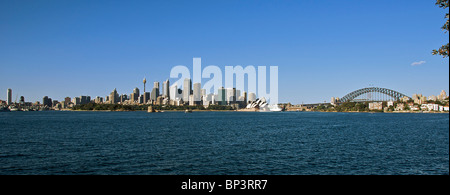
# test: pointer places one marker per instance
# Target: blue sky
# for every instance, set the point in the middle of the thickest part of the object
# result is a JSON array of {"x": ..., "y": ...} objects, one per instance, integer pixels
[{"x": 322, "y": 48}]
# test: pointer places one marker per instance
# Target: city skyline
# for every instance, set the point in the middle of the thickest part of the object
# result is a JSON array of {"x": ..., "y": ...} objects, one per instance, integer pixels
[{"x": 323, "y": 49}]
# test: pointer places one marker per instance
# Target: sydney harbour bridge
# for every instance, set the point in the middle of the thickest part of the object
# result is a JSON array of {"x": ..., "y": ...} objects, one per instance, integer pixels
[{"x": 370, "y": 94}]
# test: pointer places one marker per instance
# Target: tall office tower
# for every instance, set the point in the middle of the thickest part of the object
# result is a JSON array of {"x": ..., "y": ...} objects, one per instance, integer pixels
[
  {"x": 46, "y": 101},
  {"x": 251, "y": 97},
  {"x": 245, "y": 98},
  {"x": 187, "y": 87},
  {"x": 197, "y": 92},
  {"x": 135, "y": 95},
  {"x": 123, "y": 98},
  {"x": 83, "y": 99},
  {"x": 173, "y": 92},
  {"x": 231, "y": 95},
  {"x": 191, "y": 100},
  {"x": 166, "y": 88},
  {"x": 221, "y": 96},
  {"x": 66, "y": 101},
  {"x": 204, "y": 92},
  {"x": 442, "y": 95},
  {"x": 114, "y": 97},
  {"x": 155, "y": 91},
  {"x": 238, "y": 94},
  {"x": 146, "y": 97},
  {"x": 9, "y": 96},
  {"x": 333, "y": 101}
]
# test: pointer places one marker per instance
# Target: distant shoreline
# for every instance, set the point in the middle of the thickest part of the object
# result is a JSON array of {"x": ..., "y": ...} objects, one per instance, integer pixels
[{"x": 418, "y": 112}]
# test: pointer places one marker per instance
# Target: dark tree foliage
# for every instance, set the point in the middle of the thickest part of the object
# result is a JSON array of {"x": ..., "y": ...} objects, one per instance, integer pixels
[{"x": 443, "y": 50}]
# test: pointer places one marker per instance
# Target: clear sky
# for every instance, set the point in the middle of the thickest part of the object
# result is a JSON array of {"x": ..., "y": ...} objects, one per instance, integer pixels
[{"x": 322, "y": 48}]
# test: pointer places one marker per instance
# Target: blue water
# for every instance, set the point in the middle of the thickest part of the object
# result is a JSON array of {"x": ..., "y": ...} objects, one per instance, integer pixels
[{"x": 223, "y": 143}]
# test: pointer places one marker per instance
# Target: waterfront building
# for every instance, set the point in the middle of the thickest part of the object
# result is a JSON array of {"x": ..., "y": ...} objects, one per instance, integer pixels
[
  {"x": 376, "y": 106},
  {"x": 197, "y": 94},
  {"x": 9, "y": 96},
  {"x": 203, "y": 92},
  {"x": 134, "y": 97},
  {"x": 400, "y": 107},
  {"x": 155, "y": 91},
  {"x": 390, "y": 103},
  {"x": 404, "y": 99},
  {"x": 159, "y": 100},
  {"x": 83, "y": 100},
  {"x": 221, "y": 96},
  {"x": 208, "y": 99},
  {"x": 251, "y": 97},
  {"x": 114, "y": 97},
  {"x": 166, "y": 88},
  {"x": 67, "y": 100},
  {"x": 333, "y": 101},
  {"x": 123, "y": 98},
  {"x": 442, "y": 95},
  {"x": 173, "y": 92},
  {"x": 146, "y": 97},
  {"x": 187, "y": 88},
  {"x": 231, "y": 96},
  {"x": 191, "y": 100},
  {"x": 98, "y": 100},
  {"x": 46, "y": 101},
  {"x": 76, "y": 101}
]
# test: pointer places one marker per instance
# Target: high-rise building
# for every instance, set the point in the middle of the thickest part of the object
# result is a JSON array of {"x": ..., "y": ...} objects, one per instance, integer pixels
[
  {"x": 197, "y": 92},
  {"x": 221, "y": 96},
  {"x": 134, "y": 97},
  {"x": 114, "y": 97},
  {"x": 251, "y": 97},
  {"x": 146, "y": 97},
  {"x": 46, "y": 101},
  {"x": 9, "y": 96},
  {"x": 166, "y": 88},
  {"x": 187, "y": 88},
  {"x": 155, "y": 91},
  {"x": 442, "y": 95},
  {"x": 173, "y": 92},
  {"x": 231, "y": 95}
]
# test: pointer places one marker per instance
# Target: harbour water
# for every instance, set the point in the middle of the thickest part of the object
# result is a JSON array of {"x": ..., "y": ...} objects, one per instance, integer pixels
[{"x": 217, "y": 143}]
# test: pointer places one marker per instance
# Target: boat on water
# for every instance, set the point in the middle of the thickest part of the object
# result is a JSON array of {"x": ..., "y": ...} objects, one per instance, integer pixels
[
  {"x": 275, "y": 108},
  {"x": 187, "y": 111},
  {"x": 13, "y": 108}
]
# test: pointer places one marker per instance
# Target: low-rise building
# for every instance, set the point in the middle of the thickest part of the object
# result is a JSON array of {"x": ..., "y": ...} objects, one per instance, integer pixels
[{"x": 376, "y": 106}]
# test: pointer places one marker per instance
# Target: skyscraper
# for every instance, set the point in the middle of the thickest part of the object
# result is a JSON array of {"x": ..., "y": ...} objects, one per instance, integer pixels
[
  {"x": 251, "y": 97},
  {"x": 221, "y": 96},
  {"x": 114, "y": 97},
  {"x": 166, "y": 88},
  {"x": 155, "y": 91},
  {"x": 197, "y": 92},
  {"x": 135, "y": 95},
  {"x": 9, "y": 96},
  {"x": 187, "y": 87},
  {"x": 173, "y": 92},
  {"x": 46, "y": 101}
]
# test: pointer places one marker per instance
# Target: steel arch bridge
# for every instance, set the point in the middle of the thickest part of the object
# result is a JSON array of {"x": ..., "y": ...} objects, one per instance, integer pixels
[{"x": 372, "y": 94}]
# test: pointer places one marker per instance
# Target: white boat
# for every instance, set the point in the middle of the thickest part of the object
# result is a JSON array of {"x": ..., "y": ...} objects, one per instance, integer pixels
[
  {"x": 275, "y": 108},
  {"x": 13, "y": 108}
]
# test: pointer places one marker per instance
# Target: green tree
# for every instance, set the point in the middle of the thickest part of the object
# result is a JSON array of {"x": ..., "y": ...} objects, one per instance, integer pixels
[{"x": 443, "y": 50}]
